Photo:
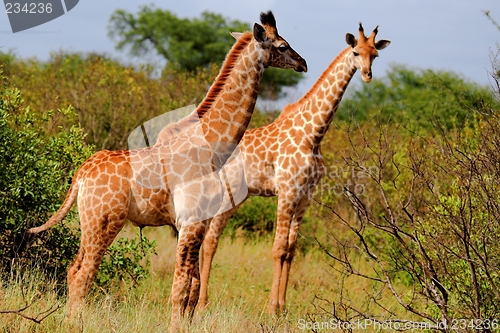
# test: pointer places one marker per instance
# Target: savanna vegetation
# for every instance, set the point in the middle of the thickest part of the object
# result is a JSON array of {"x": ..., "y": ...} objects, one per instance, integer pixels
[{"x": 404, "y": 228}]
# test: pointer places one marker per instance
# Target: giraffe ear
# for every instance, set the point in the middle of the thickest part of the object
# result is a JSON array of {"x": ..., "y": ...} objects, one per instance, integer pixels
[
  {"x": 259, "y": 33},
  {"x": 236, "y": 35},
  {"x": 382, "y": 44},
  {"x": 351, "y": 40}
]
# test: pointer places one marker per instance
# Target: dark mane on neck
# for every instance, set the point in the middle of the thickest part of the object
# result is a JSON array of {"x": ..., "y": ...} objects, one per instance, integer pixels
[
  {"x": 194, "y": 117},
  {"x": 224, "y": 73}
]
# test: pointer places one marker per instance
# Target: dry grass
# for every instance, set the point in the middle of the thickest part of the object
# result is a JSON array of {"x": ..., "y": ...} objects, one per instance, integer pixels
[{"x": 239, "y": 291}]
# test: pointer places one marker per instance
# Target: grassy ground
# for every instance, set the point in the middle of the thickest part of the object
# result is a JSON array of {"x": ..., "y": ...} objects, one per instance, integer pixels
[{"x": 239, "y": 290}]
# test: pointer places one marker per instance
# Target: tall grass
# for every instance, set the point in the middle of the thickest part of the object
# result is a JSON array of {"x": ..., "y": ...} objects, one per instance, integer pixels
[{"x": 239, "y": 290}]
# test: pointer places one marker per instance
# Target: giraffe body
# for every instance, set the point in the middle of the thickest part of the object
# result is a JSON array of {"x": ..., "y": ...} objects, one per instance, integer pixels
[
  {"x": 284, "y": 159},
  {"x": 175, "y": 182}
]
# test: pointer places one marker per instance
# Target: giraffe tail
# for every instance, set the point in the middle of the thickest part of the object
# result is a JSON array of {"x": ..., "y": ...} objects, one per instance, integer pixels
[{"x": 30, "y": 234}]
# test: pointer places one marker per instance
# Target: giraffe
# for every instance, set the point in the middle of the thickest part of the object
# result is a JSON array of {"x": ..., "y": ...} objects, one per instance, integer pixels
[
  {"x": 173, "y": 183},
  {"x": 284, "y": 159}
]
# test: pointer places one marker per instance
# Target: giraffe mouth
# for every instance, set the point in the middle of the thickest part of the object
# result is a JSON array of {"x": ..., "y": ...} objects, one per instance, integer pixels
[
  {"x": 301, "y": 68},
  {"x": 366, "y": 78}
]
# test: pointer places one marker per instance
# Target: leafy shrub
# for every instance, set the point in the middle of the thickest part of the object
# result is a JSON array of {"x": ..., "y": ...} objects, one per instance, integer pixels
[
  {"x": 426, "y": 222},
  {"x": 37, "y": 159},
  {"x": 110, "y": 99},
  {"x": 127, "y": 261},
  {"x": 256, "y": 216}
]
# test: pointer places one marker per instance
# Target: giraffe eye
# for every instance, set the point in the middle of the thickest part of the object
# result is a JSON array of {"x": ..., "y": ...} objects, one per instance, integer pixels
[
  {"x": 282, "y": 48},
  {"x": 355, "y": 53}
]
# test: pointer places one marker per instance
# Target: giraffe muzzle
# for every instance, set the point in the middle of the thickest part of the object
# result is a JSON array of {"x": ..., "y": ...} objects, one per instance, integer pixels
[
  {"x": 367, "y": 76},
  {"x": 302, "y": 67}
]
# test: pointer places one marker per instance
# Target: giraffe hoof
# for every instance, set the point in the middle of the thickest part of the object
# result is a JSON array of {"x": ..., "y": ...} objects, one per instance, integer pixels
[
  {"x": 202, "y": 305},
  {"x": 272, "y": 309}
]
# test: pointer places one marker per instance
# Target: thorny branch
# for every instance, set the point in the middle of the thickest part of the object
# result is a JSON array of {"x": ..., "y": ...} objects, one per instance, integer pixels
[{"x": 38, "y": 318}]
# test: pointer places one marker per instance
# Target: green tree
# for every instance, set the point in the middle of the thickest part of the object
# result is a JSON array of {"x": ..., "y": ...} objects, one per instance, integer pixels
[
  {"x": 185, "y": 44},
  {"x": 418, "y": 98},
  {"x": 188, "y": 44}
]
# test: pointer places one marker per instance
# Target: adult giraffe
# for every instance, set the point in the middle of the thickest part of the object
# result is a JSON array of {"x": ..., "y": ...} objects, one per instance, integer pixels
[
  {"x": 284, "y": 159},
  {"x": 176, "y": 182}
]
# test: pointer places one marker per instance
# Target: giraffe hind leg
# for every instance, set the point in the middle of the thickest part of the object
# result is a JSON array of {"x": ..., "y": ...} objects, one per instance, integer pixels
[
  {"x": 83, "y": 270},
  {"x": 185, "y": 287}
]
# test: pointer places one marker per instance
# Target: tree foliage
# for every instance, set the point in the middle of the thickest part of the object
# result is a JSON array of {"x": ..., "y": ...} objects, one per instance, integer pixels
[
  {"x": 110, "y": 99},
  {"x": 418, "y": 98},
  {"x": 37, "y": 157},
  {"x": 188, "y": 44}
]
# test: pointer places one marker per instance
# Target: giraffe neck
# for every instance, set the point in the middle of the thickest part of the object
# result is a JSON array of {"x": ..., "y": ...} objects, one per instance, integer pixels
[
  {"x": 225, "y": 112},
  {"x": 315, "y": 110},
  {"x": 225, "y": 115}
]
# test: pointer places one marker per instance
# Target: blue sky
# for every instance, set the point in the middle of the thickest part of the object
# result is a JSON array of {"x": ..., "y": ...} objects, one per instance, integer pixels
[{"x": 451, "y": 35}]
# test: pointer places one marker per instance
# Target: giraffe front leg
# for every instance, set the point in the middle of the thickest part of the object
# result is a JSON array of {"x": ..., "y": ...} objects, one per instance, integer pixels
[
  {"x": 278, "y": 254},
  {"x": 194, "y": 292},
  {"x": 185, "y": 287},
  {"x": 287, "y": 264},
  {"x": 298, "y": 214},
  {"x": 280, "y": 250},
  {"x": 209, "y": 248},
  {"x": 290, "y": 214}
]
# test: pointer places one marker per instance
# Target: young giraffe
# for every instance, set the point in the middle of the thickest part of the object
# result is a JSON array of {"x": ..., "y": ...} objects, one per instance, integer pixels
[
  {"x": 284, "y": 159},
  {"x": 174, "y": 183}
]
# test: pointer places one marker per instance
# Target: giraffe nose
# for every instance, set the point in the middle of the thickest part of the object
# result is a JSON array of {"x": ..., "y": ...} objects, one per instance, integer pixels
[
  {"x": 302, "y": 65},
  {"x": 366, "y": 75}
]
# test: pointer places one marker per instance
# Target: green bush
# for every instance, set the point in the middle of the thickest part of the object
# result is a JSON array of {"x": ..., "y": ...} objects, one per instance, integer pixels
[
  {"x": 425, "y": 225},
  {"x": 126, "y": 261},
  {"x": 256, "y": 216},
  {"x": 38, "y": 157}
]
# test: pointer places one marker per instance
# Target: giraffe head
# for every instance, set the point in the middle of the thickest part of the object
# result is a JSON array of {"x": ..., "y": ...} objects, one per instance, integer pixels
[
  {"x": 277, "y": 51},
  {"x": 365, "y": 51}
]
